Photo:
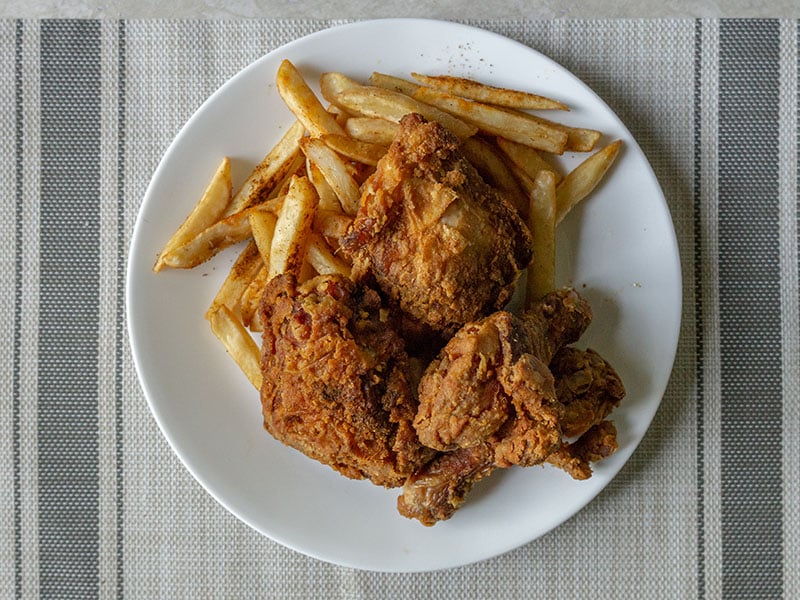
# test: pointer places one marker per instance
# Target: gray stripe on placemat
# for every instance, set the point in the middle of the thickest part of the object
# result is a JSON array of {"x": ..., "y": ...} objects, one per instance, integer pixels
[
  {"x": 69, "y": 309},
  {"x": 750, "y": 328},
  {"x": 698, "y": 308},
  {"x": 17, "y": 341},
  {"x": 120, "y": 323}
]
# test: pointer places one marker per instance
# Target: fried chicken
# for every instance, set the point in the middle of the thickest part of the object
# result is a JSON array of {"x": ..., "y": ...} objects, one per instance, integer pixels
[
  {"x": 492, "y": 380},
  {"x": 491, "y": 400},
  {"x": 338, "y": 383},
  {"x": 446, "y": 247}
]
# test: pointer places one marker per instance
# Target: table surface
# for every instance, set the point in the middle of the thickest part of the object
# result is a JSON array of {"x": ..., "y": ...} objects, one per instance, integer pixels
[
  {"x": 437, "y": 9},
  {"x": 97, "y": 505}
]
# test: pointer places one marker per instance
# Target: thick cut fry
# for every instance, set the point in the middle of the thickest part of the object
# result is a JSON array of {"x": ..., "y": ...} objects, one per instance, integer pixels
[
  {"x": 331, "y": 223},
  {"x": 542, "y": 223},
  {"x": 262, "y": 226},
  {"x": 335, "y": 171},
  {"x": 390, "y": 82},
  {"x": 474, "y": 90},
  {"x": 292, "y": 228},
  {"x": 333, "y": 83},
  {"x": 498, "y": 121},
  {"x": 270, "y": 172},
  {"x": 238, "y": 342},
  {"x": 222, "y": 234},
  {"x": 251, "y": 297},
  {"x": 322, "y": 258},
  {"x": 302, "y": 101},
  {"x": 211, "y": 205},
  {"x": 371, "y": 129},
  {"x": 579, "y": 139},
  {"x": 363, "y": 152},
  {"x": 239, "y": 277},
  {"x": 526, "y": 158},
  {"x": 489, "y": 162},
  {"x": 371, "y": 101},
  {"x": 580, "y": 182},
  {"x": 327, "y": 197}
]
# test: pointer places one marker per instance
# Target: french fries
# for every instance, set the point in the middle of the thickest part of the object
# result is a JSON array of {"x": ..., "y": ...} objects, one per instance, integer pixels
[
  {"x": 298, "y": 203},
  {"x": 498, "y": 121},
  {"x": 474, "y": 90},
  {"x": 580, "y": 182},
  {"x": 292, "y": 228},
  {"x": 210, "y": 206},
  {"x": 238, "y": 342},
  {"x": 542, "y": 223}
]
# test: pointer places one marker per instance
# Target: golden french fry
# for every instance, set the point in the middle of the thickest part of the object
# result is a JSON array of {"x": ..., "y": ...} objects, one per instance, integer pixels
[
  {"x": 580, "y": 182},
  {"x": 579, "y": 139},
  {"x": 279, "y": 162},
  {"x": 222, "y": 234},
  {"x": 390, "y": 82},
  {"x": 238, "y": 342},
  {"x": 474, "y": 90},
  {"x": 488, "y": 161},
  {"x": 363, "y": 152},
  {"x": 320, "y": 256},
  {"x": 292, "y": 228},
  {"x": 332, "y": 224},
  {"x": 239, "y": 277},
  {"x": 542, "y": 223},
  {"x": 371, "y": 129},
  {"x": 211, "y": 205},
  {"x": 526, "y": 158},
  {"x": 335, "y": 172},
  {"x": 371, "y": 101},
  {"x": 302, "y": 101},
  {"x": 251, "y": 297},
  {"x": 331, "y": 84},
  {"x": 327, "y": 197},
  {"x": 262, "y": 226},
  {"x": 498, "y": 121}
]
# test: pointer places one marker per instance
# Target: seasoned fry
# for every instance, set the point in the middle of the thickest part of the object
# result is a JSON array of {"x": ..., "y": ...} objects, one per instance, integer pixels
[
  {"x": 211, "y": 205},
  {"x": 526, "y": 158},
  {"x": 542, "y": 223},
  {"x": 363, "y": 152},
  {"x": 222, "y": 234},
  {"x": 251, "y": 297},
  {"x": 488, "y": 161},
  {"x": 327, "y": 197},
  {"x": 579, "y": 182},
  {"x": 578, "y": 139},
  {"x": 378, "y": 102},
  {"x": 238, "y": 342},
  {"x": 333, "y": 83},
  {"x": 270, "y": 172},
  {"x": 396, "y": 84},
  {"x": 239, "y": 277},
  {"x": 262, "y": 225},
  {"x": 498, "y": 121},
  {"x": 302, "y": 101},
  {"x": 474, "y": 90},
  {"x": 335, "y": 171},
  {"x": 371, "y": 129},
  {"x": 320, "y": 256},
  {"x": 292, "y": 228}
]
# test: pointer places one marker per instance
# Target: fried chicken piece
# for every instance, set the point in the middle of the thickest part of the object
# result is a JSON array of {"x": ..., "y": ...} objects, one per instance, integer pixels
[
  {"x": 502, "y": 392},
  {"x": 440, "y": 242},
  {"x": 492, "y": 380},
  {"x": 338, "y": 383}
]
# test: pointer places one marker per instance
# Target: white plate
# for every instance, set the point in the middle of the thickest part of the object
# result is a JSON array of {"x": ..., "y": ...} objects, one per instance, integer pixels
[{"x": 619, "y": 249}]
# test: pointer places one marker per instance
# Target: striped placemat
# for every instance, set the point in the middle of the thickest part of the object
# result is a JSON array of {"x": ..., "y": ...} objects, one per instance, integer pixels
[{"x": 96, "y": 504}]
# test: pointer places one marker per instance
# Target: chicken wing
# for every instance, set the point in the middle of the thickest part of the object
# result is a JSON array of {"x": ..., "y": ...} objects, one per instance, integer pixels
[
  {"x": 440, "y": 242},
  {"x": 338, "y": 383}
]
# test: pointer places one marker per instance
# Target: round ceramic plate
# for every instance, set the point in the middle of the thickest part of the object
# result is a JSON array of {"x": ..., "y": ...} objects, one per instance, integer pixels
[{"x": 618, "y": 249}]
